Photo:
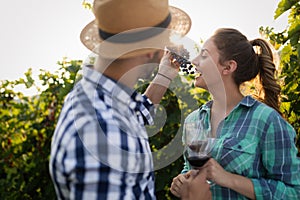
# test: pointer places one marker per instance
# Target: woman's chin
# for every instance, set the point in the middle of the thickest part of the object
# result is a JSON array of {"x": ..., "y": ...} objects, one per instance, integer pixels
[{"x": 200, "y": 83}]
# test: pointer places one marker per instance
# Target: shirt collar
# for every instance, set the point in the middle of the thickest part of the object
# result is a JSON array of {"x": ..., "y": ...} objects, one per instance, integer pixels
[
  {"x": 116, "y": 89},
  {"x": 247, "y": 101}
]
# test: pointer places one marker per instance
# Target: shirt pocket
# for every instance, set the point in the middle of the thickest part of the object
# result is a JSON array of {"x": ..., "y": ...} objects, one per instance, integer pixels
[{"x": 238, "y": 155}]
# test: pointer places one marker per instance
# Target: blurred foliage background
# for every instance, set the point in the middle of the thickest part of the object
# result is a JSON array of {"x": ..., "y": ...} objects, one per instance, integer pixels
[{"x": 28, "y": 122}]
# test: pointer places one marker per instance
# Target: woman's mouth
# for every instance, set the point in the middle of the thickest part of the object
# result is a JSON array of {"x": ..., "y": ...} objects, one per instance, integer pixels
[{"x": 197, "y": 73}]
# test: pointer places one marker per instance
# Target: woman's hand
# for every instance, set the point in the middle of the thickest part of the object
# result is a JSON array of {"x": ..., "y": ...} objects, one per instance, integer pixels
[
  {"x": 177, "y": 183},
  {"x": 216, "y": 173},
  {"x": 191, "y": 186}
]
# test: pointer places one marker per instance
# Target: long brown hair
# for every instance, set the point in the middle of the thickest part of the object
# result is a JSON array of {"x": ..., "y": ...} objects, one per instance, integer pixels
[{"x": 233, "y": 45}]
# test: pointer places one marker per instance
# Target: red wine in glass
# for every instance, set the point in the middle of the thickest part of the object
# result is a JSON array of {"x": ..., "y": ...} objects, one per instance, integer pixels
[
  {"x": 197, "y": 154},
  {"x": 198, "y": 161}
]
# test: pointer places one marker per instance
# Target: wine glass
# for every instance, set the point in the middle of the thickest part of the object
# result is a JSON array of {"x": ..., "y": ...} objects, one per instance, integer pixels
[{"x": 198, "y": 142}]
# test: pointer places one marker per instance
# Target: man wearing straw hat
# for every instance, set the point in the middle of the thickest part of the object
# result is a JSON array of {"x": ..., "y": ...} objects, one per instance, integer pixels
[{"x": 100, "y": 147}]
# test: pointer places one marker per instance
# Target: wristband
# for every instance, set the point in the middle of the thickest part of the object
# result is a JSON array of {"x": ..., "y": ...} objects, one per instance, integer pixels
[
  {"x": 164, "y": 76},
  {"x": 161, "y": 80}
]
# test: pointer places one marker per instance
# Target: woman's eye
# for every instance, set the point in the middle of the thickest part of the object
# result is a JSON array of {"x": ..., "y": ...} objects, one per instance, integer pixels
[{"x": 203, "y": 54}]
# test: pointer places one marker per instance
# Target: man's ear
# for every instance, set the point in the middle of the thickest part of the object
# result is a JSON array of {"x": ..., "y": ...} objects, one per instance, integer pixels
[{"x": 229, "y": 67}]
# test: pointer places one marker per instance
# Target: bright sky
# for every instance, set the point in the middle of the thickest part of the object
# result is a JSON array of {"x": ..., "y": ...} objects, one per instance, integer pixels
[{"x": 38, "y": 33}]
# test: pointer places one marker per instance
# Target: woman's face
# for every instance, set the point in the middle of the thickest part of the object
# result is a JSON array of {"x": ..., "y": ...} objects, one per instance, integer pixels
[{"x": 208, "y": 66}]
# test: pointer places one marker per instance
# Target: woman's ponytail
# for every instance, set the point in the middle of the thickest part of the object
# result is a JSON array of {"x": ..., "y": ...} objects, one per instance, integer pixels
[{"x": 267, "y": 74}]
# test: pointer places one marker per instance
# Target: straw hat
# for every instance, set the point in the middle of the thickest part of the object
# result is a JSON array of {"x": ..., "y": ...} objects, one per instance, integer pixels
[{"x": 125, "y": 28}]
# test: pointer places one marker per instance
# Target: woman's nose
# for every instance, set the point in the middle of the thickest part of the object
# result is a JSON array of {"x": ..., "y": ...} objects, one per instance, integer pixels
[{"x": 196, "y": 61}]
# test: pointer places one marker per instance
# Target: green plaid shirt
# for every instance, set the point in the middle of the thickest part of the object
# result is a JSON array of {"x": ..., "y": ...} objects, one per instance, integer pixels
[{"x": 255, "y": 142}]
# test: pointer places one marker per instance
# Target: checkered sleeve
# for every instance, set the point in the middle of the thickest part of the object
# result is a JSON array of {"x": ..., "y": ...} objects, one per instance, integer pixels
[
  {"x": 282, "y": 180},
  {"x": 147, "y": 110}
]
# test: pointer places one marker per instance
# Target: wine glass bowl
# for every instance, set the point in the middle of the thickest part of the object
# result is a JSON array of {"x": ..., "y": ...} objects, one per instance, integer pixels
[
  {"x": 198, "y": 143},
  {"x": 198, "y": 152}
]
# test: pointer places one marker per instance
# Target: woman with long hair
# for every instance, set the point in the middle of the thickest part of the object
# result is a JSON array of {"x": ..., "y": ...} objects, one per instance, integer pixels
[{"x": 255, "y": 156}]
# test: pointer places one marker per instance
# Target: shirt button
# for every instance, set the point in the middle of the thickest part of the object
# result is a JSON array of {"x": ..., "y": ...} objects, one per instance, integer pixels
[
  {"x": 132, "y": 105},
  {"x": 130, "y": 180},
  {"x": 138, "y": 98}
]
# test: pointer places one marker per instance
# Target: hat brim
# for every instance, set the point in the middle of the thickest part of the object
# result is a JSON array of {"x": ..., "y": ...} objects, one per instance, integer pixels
[{"x": 179, "y": 25}]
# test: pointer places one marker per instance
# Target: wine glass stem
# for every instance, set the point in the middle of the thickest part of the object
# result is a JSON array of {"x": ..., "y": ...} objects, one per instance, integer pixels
[{"x": 211, "y": 183}]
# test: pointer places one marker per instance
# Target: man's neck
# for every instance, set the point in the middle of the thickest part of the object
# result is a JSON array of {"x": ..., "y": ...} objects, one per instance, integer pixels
[{"x": 124, "y": 71}]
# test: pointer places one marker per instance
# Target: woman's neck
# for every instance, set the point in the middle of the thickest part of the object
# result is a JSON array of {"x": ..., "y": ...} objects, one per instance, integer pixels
[{"x": 225, "y": 101}]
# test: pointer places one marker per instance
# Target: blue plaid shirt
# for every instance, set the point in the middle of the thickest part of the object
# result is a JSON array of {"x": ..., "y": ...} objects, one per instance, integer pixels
[
  {"x": 255, "y": 142},
  {"x": 100, "y": 147}
]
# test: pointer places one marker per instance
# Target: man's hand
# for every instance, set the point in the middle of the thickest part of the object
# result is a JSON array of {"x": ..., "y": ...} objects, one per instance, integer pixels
[{"x": 167, "y": 68}]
